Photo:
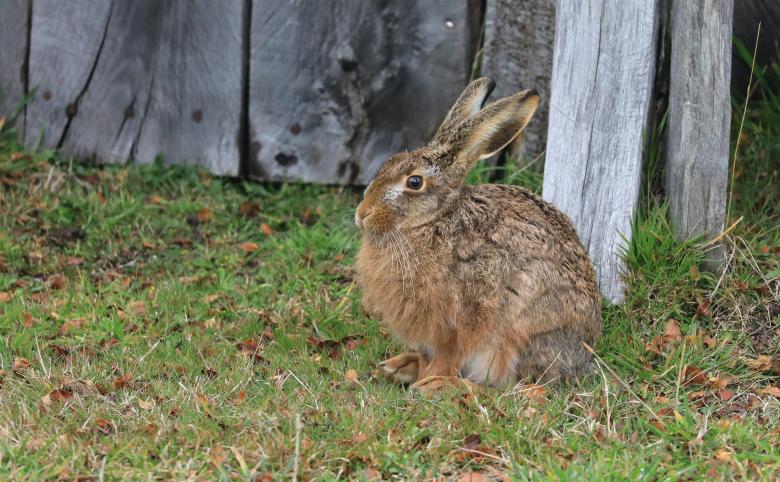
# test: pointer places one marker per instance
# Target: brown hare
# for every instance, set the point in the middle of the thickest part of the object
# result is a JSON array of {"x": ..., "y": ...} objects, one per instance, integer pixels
[{"x": 486, "y": 283}]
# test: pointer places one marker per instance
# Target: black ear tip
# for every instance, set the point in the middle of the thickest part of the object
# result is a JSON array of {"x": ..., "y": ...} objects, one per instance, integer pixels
[
  {"x": 531, "y": 92},
  {"x": 490, "y": 87}
]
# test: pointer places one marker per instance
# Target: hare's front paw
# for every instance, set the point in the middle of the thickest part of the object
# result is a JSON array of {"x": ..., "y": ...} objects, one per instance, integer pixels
[
  {"x": 404, "y": 368},
  {"x": 435, "y": 383}
]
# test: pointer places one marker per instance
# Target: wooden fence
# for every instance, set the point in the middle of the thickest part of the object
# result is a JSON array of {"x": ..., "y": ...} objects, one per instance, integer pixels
[{"x": 314, "y": 91}]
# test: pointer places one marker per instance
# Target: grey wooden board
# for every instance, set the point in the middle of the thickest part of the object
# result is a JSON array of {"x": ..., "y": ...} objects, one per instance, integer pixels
[
  {"x": 14, "y": 17},
  {"x": 697, "y": 161},
  {"x": 603, "y": 73},
  {"x": 119, "y": 80},
  {"x": 334, "y": 91},
  {"x": 518, "y": 54}
]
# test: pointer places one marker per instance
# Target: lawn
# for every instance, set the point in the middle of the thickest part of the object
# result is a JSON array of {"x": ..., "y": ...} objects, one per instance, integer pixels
[{"x": 162, "y": 323}]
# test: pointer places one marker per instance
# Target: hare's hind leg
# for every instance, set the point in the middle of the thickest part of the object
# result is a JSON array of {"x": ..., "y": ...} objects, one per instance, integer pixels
[
  {"x": 405, "y": 368},
  {"x": 552, "y": 356}
]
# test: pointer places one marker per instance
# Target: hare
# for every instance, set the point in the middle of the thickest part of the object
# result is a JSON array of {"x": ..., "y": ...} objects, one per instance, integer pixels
[{"x": 487, "y": 284}]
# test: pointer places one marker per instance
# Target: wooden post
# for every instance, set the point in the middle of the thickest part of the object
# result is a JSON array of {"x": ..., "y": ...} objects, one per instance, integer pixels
[
  {"x": 697, "y": 164},
  {"x": 518, "y": 54},
  {"x": 14, "y": 35},
  {"x": 603, "y": 75}
]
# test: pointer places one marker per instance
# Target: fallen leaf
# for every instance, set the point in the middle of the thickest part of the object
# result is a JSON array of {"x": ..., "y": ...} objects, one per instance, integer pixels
[
  {"x": 771, "y": 391},
  {"x": 204, "y": 215},
  {"x": 475, "y": 477},
  {"x": 61, "y": 394},
  {"x": 5, "y": 297},
  {"x": 239, "y": 398},
  {"x": 104, "y": 425},
  {"x": 370, "y": 474},
  {"x": 725, "y": 394},
  {"x": 359, "y": 438},
  {"x": 710, "y": 342},
  {"x": 155, "y": 199},
  {"x": 249, "y": 209},
  {"x": 266, "y": 229},
  {"x": 28, "y": 320},
  {"x": 57, "y": 282},
  {"x": 70, "y": 325},
  {"x": 724, "y": 456},
  {"x": 248, "y": 247},
  {"x": 672, "y": 331},
  {"x": 472, "y": 441},
  {"x": 144, "y": 404},
  {"x": 761, "y": 364},
  {"x": 74, "y": 261},
  {"x": 693, "y": 376},
  {"x": 703, "y": 309},
  {"x": 351, "y": 375},
  {"x": 20, "y": 364},
  {"x": 122, "y": 381},
  {"x": 137, "y": 308},
  {"x": 218, "y": 456},
  {"x": 534, "y": 391},
  {"x": 720, "y": 382}
]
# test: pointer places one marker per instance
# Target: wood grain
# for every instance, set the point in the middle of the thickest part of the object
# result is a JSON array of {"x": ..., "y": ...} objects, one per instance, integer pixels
[
  {"x": 603, "y": 73},
  {"x": 333, "y": 94},
  {"x": 697, "y": 163},
  {"x": 14, "y": 33},
  {"x": 518, "y": 54},
  {"x": 120, "y": 80}
]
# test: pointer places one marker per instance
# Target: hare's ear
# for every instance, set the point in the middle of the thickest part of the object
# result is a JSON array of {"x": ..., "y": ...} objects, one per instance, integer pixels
[
  {"x": 468, "y": 104},
  {"x": 489, "y": 131}
]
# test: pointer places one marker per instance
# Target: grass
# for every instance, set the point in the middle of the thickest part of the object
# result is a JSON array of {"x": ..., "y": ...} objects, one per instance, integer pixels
[{"x": 161, "y": 323}]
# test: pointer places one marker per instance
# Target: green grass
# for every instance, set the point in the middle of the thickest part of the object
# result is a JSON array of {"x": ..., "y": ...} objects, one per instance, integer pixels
[{"x": 161, "y": 345}]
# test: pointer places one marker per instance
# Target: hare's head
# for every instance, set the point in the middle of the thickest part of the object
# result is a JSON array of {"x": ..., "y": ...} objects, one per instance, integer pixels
[{"x": 413, "y": 188}]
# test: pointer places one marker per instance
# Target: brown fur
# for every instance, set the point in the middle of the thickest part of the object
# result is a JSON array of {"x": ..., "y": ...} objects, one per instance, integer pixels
[{"x": 486, "y": 282}]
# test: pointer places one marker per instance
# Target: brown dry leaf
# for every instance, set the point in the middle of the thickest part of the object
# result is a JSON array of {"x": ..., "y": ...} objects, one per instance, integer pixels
[
  {"x": 710, "y": 342},
  {"x": 725, "y": 394},
  {"x": 105, "y": 426},
  {"x": 248, "y": 247},
  {"x": 351, "y": 375},
  {"x": 703, "y": 309},
  {"x": 475, "y": 477},
  {"x": 218, "y": 456},
  {"x": 122, "y": 380},
  {"x": 696, "y": 395},
  {"x": 60, "y": 394},
  {"x": 359, "y": 438},
  {"x": 724, "y": 456},
  {"x": 694, "y": 376},
  {"x": 20, "y": 364},
  {"x": 212, "y": 297},
  {"x": 672, "y": 331},
  {"x": 472, "y": 441},
  {"x": 137, "y": 308},
  {"x": 266, "y": 229},
  {"x": 57, "y": 282},
  {"x": 5, "y": 297},
  {"x": 155, "y": 199},
  {"x": 71, "y": 324},
  {"x": 771, "y": 391},
  {"x": 533, "y": 391},
  {"x": 27, "y": 319},
  {"x": 370, "y": 473},
  {"x": 204, "y": 215},
  {"x": 74, "y": 261},
  {"x": 720, "y": 382},
  {"x": 249, "y": 209},
  {"x": 145, "y": 404},
  {"x": 761, "y": 364},
  {"x": 239, "y": 399}
]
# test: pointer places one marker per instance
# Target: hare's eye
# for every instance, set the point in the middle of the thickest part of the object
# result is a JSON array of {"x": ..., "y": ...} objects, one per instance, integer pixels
[{"x": 414, "y": 182}]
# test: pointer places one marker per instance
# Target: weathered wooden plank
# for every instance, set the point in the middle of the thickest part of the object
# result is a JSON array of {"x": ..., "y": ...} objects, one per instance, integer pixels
[
  {"x": 603, "y": 73},
  {"x": 119, "y": 80},
  {"x": 697, "y": 163},
  {"x": 518, "y": 54},
  {"x": 334, "y": 91},
  {"x": 14, "y": 28}
]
